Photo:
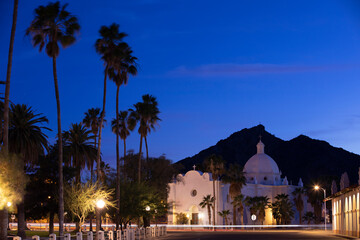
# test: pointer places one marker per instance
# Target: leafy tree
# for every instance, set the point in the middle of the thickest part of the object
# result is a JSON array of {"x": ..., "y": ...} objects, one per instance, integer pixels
[
  {"x": 146, "y": 113},
  {"x": 215, "y": 165},
  {"x": 182, "y": 219},
  {"x": 235, "y": 176},
  {"x": 308, "y": 217},
  {"x": 52, "y": 25},
  {"x": 208, "y": 202},
  {"x": 282, "y": 209},
  {"x": 12, "y": 180},
  {"x": 44, "y": 203},
  {"x": 81, "y": 199},
  {"x": 224, "y": 214},
  {"x": 27, "y": 140},
  {"x": 298, "y": 194},
  {"x": 79, "y": 148},
  {"x": 257, "y": 206}
]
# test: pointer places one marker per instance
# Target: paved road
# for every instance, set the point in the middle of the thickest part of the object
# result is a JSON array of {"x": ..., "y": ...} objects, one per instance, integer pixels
[{"x": 263, "y": 235}]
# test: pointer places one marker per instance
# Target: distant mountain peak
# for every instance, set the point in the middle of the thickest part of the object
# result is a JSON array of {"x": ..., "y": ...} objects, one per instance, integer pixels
[{"x": 301, "y": 156}]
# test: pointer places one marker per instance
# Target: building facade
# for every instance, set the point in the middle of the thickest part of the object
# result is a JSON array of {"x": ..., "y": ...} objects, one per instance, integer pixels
[
  {"x": 263, "y": 178},
  {"x": 346, "y": 211}
]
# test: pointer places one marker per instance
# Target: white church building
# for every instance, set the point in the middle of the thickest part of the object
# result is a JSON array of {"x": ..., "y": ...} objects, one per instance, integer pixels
[{"x": 263, "y": 178}]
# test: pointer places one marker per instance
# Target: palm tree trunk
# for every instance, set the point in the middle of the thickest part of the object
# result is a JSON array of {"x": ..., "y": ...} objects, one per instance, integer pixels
[
  {"x": 139, "y": 163},
  {"x": 242, "y": 215},
  {"x": 4, "y": 213},
  {"x": 209, "y": 213},
  {"x": 147, "y": 150},
  {"x": 300, "y": 218},
  {"x": 61, "y": 180},
  {"x": 4, "y": 222},
  {"x": 117, "y": 160},
  {"x": 214, "y": 206},
  {"x": 234, "y": 214},
  {"x": 98, "y": 215},
  {"x": 91, "y": 180},
  {"x": 21, "y": 220},
  {"x": 124, "y": 159},
  {"x": 51, "y": 222}
]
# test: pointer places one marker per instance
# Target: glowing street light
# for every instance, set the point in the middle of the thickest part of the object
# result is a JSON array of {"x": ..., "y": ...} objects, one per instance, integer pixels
[
  {"x": 100, "y": 204},
  {"x": 147, "y": 208},
  {"x": 8, "y": 204},
  {"x": 317, "y": 187}
]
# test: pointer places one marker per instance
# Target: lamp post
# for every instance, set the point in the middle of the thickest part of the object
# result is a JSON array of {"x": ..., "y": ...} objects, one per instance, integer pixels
[
  {"x": 317, "y": 187},
  {"x": 100, "y": 204}
]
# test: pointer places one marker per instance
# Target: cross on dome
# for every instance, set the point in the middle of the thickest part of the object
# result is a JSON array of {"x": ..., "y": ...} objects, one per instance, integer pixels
[{"x": 194, "y": 167}]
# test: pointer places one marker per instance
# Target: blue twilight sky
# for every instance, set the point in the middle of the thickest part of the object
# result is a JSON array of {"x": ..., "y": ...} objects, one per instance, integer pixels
[{"x": 216, "y": 67}]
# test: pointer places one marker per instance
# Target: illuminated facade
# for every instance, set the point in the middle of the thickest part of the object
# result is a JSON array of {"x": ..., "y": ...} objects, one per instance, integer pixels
[
  {"x": 263, "y": 178},
  {"x": 345, "y": 211}
]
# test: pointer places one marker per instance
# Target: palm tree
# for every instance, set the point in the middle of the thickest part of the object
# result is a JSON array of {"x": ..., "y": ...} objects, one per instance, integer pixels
[
  {"x": 308, "y": 217},
  {"x": 27, "y": 139},
  {"x": 224, "y": 214},
  {"x": 257, "y": 206},
  {"x": 215, "y": 165},
  {"x": 123, "y": 65},
  {"x": 263, "y": 203},
  {"x": 124, "y": 126},
  {"x": 79, "y": 149},
  {"x": 53, "y": 25},
  {"x": 235, "y": 176},
  {"x": 5, "y": 114},
  {"x": 92, "y": 122},
  {"x": 282, "y": 209},
  {"x": 146, "y": 113},
  {"x": 106, "y": 46},
  {"x": 299, "y": 202},
  {"x": 208, "y": 202},
  {"x": 238, "y": 205}
]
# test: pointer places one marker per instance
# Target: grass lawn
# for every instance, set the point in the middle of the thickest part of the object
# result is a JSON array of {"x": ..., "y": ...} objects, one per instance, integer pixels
[{"x": 32, "y": 233}]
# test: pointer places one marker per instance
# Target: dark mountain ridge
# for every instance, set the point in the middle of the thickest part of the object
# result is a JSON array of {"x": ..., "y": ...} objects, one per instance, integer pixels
[{"x": 299, "y": 157}]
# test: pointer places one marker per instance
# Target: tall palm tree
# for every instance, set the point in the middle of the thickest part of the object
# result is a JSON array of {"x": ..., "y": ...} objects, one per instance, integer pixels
[
  {"x": 215, "y": 165},
  {"x": 238, "y": 205},
  {"x": 92, "y": 122},
  {"x": 5, "y": 115},
  {"x": 235, "y": 176},
  {"x": 299, "y": 202},
  {"x": 208, "y": 202},
  {"x": 53, "y": 25},
  {"x": 122, "y": 127},
  {"x": 146, "y": 113},
  {"x": 123, "y": 65},
  {"x": 106, "y": 48},
  {"x": 79, "y": 148},
  {"x": 224, "y": 214},
  {"x": 26, "y": 138}
]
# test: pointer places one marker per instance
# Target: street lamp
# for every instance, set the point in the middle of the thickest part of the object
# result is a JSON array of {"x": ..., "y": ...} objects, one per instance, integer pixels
[
  {"x": 8, "y": 204},
  {"x": 100, "y": 204},
  {"x": 147, "y": 208},
  {"x": 317, "y": 187}
]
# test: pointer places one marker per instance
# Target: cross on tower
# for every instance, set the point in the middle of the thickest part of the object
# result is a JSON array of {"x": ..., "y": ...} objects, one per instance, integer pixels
[{"x": 194, "y": 167}]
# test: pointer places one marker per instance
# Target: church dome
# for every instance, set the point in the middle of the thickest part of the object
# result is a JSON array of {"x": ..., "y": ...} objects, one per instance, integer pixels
[{"x": 261, "y": 162}]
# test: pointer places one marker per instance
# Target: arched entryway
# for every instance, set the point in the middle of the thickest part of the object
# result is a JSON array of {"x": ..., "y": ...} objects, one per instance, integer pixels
[{"x": 194, "y": 210}]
